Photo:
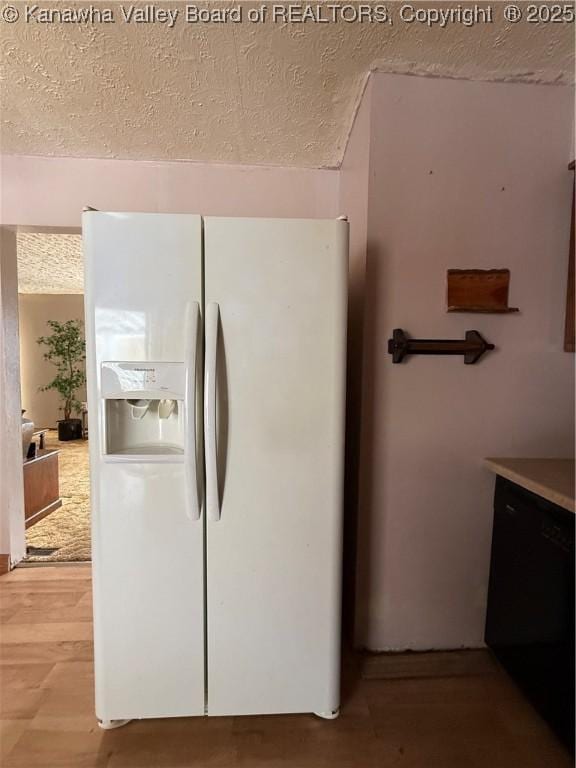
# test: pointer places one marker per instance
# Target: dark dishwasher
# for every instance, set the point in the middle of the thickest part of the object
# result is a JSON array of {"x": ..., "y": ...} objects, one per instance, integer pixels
[{"x": 530, "y": 618}]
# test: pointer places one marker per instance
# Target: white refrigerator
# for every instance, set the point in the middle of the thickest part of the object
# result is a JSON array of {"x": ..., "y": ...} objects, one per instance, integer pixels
[{"x": 216, "y": 382}]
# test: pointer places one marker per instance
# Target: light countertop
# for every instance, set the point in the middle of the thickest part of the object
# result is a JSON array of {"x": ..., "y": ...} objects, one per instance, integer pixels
[{"x": 553, "y": 479}]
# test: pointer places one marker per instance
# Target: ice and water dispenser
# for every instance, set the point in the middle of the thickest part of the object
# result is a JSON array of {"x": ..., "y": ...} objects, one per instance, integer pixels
[{"x": 144, "y": 409}]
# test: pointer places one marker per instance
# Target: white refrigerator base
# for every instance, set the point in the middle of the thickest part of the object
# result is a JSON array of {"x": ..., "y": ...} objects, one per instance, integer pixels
[{"x": 109, "y": 725}]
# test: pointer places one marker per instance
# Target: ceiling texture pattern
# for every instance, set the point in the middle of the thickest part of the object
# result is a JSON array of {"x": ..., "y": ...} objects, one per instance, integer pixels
[
  {"x": 49, "y": 263},
  {"x": 256, "y": 93}
]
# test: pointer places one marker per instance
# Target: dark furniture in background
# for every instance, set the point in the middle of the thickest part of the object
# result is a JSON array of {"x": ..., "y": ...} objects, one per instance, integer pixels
[
  {"x": 530, "y": 618},
  {"x": 41, "y": 489}
]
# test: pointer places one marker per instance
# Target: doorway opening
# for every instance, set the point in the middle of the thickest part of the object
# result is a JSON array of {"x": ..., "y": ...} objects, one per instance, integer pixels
[{"x": 53, "y": 395}]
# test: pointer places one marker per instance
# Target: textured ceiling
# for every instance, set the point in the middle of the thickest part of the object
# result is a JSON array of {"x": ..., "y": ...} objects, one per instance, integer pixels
[
  {"x": 49, "y": 263},
  {"x": 263, "y": 93}
]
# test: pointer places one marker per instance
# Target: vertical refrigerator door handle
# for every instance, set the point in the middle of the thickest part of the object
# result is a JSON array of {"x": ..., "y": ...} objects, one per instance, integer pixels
[
  {"x": 192, "y": 504},
  {"x": 212, "y": 500}
]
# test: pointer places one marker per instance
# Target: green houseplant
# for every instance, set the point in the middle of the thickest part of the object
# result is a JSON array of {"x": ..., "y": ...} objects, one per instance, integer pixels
[{"x": 65, "y": 348}]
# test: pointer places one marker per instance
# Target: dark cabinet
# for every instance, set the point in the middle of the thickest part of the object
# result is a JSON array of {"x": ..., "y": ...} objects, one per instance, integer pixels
[
  {"x": 530, "y": 618},
  {"x": 41, "y": 493}
]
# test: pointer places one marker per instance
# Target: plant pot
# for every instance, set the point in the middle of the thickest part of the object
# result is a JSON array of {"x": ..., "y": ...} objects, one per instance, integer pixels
[{"x": 70, "y": 429}]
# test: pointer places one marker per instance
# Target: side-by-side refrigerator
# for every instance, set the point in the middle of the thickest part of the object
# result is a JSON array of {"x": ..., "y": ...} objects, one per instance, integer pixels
[{"x": 216, "y": 374}]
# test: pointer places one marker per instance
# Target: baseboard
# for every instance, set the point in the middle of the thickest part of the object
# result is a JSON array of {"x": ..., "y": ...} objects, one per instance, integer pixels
[
  {"x": 4, "y": 564},
  {"x": 395, "y": 666}
]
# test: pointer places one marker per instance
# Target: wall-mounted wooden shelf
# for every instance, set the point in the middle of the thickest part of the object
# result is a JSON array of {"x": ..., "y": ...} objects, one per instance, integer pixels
[
  {"x": 479, "y": 290},
  {"x": 483, "y": 310}
]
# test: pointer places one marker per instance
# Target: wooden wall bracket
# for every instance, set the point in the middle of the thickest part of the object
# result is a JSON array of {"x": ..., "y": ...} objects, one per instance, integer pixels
[{"x": 472, "y": 346}]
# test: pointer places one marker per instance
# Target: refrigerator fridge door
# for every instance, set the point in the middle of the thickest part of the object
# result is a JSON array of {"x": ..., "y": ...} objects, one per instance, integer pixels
[
  {"x": 275, "y": 293},
  {"x": 143, "y": 298}
]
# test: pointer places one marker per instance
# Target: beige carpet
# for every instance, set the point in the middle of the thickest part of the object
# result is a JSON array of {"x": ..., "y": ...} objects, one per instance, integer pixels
[{"x": 67, "y": 528}]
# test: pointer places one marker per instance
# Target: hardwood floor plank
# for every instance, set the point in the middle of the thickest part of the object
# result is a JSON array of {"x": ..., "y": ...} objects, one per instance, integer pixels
[
  {"x": 44, "y": 601},
  {"x": 63, "y": 703},
  {"x": 21, "y": 704},
  {"x": 49, "y": 632},
  {"x": 24, "y": 676},
  {"x": 21, "y": 691},
  {"x": 54, "y": 749},
  {"x": 10, "y": 732},
  {"x": 7, "y": 613},
  {"x": 35, "y": 653},
  {"x": 86, "y": 599},
  {"x": 128, "y": 749},
  {"x": 323, "y": 748},
  {"x": 47, "y": 573},
  {"x": 62, "y": 615},
  {"x": 70, "y": 676},
  {"x": 19, "y": 587}
]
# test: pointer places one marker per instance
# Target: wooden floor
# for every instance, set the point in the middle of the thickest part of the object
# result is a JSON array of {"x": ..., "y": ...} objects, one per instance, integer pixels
[{"x": 474, "y": 718}]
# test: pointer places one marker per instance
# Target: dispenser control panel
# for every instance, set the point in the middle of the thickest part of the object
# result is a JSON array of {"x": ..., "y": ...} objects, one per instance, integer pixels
[{"x": 120, "y": 380}]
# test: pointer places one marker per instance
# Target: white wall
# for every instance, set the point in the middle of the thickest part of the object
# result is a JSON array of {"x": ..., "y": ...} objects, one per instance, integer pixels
[
  {"x": 51, "y": 191},
  {"x": 462, "y": 174},
  {"x": 34, "y": 310},
  {"x": 12, "y": 541}
]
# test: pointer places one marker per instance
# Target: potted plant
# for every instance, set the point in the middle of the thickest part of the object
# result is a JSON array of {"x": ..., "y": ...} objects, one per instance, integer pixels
[{"x": 66, "y": 350}]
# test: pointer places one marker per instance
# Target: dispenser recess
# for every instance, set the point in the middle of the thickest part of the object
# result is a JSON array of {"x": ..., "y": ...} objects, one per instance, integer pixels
[{"x": 144, "y": 410}]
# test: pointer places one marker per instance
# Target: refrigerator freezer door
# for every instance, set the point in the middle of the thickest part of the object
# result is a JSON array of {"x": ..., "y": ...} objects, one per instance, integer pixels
[
  {"x": 274, "y": 551},
  {"x": 143, "y": 291}
]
